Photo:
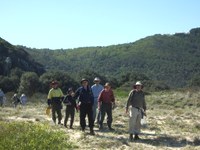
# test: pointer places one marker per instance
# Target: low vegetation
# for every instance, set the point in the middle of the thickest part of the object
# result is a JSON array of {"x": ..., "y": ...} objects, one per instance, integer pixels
[{"x": 29, "y": 136}]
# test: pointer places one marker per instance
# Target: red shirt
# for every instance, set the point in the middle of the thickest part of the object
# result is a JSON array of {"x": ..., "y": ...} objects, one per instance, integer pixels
[{"x": 106, "y": 96}]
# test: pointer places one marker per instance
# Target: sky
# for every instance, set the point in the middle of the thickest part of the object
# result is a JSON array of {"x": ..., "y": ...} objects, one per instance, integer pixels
[{"x": 57, "y": 24}]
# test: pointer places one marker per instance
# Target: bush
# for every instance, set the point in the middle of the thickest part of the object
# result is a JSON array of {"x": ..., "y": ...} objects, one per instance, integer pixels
[
  {"x": 29, "y": 83},
  {"x": 9, "y": 84},
  {"x": 65, "y": 81},
  {"x": 29, "y": 136}
]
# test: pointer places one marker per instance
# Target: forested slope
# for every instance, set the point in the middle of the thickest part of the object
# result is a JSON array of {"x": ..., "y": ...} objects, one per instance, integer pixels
[{"x": 173, "y": 59}]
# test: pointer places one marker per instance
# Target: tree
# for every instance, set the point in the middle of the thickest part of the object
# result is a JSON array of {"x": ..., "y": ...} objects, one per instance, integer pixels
[
  {"x": 65, "y": 81},
  {"x": 29, "y": 83}
]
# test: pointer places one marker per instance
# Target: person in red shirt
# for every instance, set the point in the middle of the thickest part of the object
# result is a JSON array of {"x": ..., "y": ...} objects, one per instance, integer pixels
[{"x": 106, "y": 102}]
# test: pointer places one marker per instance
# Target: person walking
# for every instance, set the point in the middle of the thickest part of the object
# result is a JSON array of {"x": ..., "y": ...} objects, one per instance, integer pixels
[
  {"x": 85, "y": 103},
  {"x": 2, "y": 95},
  {"x": 16, "y": 100},
  {"x": 106, "y": 101},
  {"x": 70, "y": 108},
  {"x": 137, "y": 104},
  {"x": 54, "y": 100},
  {"x": 96, "y": 89},
  {"x": 2, "y": 98},
  {"x": 23, "y": 99}
]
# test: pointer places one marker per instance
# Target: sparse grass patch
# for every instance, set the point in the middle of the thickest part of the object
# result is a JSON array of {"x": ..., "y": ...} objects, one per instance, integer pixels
[{"x": 22, "y": 136}]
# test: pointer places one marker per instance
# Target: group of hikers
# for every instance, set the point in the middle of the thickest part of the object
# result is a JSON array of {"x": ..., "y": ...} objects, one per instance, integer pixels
[
  {"x": 15, "y": 99},
  {"x": 87, "y": 99}
]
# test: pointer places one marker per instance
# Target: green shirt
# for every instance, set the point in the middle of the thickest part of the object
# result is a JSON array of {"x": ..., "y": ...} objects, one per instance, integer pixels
[{"x": 54, "y": 93}]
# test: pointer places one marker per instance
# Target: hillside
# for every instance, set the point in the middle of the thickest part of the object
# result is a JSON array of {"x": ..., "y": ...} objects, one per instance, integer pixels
[
  {"x": 12, "y": 57},
  {"x": 172, "y": 59}
]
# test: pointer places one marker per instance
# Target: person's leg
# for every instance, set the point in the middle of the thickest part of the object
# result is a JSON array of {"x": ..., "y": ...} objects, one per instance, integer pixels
[
  {"x": 109, "y": 114},
  {"x": 90, "y": 118},
  {"x": 132, "y": 121},
  {"x": 83, "y": 110},
  {"x": 94, "y": 109},
  {"x": 1, "y": 101},
  {"x": 103, "y": 111},
  {"x": 98, "y": 116},
  {"x": 59, "y": 115},
  {"x": 72, "y": 113},
  {"x": 53, "y": 114},
  {"x": 66, "y": 117},
  {"x": 138, "y": 125}
]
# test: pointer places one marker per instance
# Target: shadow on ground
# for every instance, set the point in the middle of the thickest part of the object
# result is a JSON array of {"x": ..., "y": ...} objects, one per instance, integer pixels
[{"x": 168, "y": 141}]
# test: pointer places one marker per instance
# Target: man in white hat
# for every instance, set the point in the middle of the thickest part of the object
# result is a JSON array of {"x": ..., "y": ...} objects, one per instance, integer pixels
[
  {"x": 96, "y": 89},
  {"x": 137, "y": 104}
]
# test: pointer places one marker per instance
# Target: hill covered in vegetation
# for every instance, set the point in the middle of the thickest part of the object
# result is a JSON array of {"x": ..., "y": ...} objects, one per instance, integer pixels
[
  {"x": 13, "y": 57},
  {"x": 171, "y": 59}
]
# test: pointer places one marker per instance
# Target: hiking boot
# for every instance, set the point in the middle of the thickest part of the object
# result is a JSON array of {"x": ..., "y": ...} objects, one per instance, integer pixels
[
  {"x": 83, "y": 129},
  {"x": 60, "y": 123},
  {"x": 100, "y": 127},
  {"x": 71, "y": 127},
  {"x": 111, "y": 129},
  {"x": 65, "y": 125},
  {"x": 131, "y": 137},
  {"x": 136, "y": 137},
  {"x": 92, "y": 132}
]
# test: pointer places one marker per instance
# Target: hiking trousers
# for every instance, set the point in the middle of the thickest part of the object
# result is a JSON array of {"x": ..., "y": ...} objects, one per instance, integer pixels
[
  {"x": 94, "y": 108},
  {"x": 86, "y": 110},
  {"x": 135, "y": 115},
  {"x": 70, "y": 111},
  {"x": 56, "y": 109},
  {"x": 106, "y": 108}
]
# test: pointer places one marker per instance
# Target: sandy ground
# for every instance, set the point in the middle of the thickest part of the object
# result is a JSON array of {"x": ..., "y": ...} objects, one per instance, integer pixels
[{"x": 164, "y": 129}]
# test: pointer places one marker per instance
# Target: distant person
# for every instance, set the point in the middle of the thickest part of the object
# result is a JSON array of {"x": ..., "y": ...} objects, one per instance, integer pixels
[
  {"x": 96, "y": 89},
  {"x": 106, "y": 103},
  {"x": 85, "y": 103},
  {"x": 137, "y": 104},
  {"x": 16, "y": 100},
  {"x": 23, "y": 99},
  {"x": 2, "y": 98},
  {"x": 70, "y": 103},
  {"x": 55, "y": 97}
]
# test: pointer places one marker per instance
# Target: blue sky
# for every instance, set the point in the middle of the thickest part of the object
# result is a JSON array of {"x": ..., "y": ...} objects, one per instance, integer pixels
[{"x": 66, "y": 24}]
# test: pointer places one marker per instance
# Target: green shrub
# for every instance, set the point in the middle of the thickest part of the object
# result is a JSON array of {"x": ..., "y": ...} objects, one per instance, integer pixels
[{"x": 29, "y": 136}]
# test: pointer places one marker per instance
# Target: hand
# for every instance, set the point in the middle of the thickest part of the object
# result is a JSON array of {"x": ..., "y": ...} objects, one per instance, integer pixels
[
  {"x": 126, "y": 111},
  {"x": 144, "y": 113},
  {"x": 78, "y": 107},
  {"x": 113, "y": 105}
]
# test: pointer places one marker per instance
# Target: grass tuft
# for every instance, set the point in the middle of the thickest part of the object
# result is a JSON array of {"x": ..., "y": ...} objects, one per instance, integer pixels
[{"x": 21, "y": 136}]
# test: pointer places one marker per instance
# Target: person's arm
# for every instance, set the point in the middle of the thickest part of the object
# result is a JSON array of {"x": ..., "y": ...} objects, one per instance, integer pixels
[
  {"x": 75, "y": 97},
  {"x": 61, "y": 95},
  {"x": 100, "y": 100},
  {"x": 77, "y": 94},
  {"x": 129, "y": 101},
  {"x": 112, "y": 99},
  {"x": 49, "y": 99},
  {"x": 144, "y": 106},
  {"x": 92, "y": 96}
]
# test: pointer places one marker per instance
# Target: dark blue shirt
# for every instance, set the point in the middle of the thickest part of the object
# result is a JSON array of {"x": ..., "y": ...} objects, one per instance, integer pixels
[
  {"x": 69, "y": 101},
  {"x": 84, "y": 95}
]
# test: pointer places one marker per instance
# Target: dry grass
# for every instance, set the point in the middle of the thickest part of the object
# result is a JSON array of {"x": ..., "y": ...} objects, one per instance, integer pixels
[{"x": 173, "y": 123}]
